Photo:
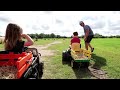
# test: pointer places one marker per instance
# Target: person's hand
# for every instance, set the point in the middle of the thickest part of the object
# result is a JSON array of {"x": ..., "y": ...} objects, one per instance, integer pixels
[
  {"x": 28, "y": 38},
  {"x": 70, "y": 46},
  {"x": 23, "y": 35}
]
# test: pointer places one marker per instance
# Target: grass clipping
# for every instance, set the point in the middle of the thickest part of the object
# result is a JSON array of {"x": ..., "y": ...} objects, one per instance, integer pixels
[{"x": 8, "y": 72}]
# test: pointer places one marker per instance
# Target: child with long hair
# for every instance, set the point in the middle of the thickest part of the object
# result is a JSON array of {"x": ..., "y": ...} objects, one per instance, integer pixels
[{"x": 13, "y": 38}]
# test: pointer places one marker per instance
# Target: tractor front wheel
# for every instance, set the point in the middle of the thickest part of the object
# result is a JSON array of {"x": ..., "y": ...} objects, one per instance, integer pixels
[
  {"x": 41, "y": 67},
  {"x": 35, "y": 74}
]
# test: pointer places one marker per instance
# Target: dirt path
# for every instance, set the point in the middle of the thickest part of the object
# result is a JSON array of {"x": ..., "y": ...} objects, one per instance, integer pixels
[{"x": 43, "y": 49}]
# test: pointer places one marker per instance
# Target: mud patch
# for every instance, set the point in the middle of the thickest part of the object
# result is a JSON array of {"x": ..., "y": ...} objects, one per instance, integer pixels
[{"x": 98, "y": 73}]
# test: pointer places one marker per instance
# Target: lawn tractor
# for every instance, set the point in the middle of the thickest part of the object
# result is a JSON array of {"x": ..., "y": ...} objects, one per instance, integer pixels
[
  {"x": 77, "y": 56},
  {"x": 25, "y": 65}
]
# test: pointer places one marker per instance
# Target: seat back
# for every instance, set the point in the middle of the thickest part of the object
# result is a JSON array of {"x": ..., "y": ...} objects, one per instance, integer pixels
[{"x": 75, "y": 46}]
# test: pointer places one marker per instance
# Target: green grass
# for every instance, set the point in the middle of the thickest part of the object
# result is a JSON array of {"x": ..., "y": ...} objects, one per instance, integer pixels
[
  {"x": 1, "y": 47},
  {"x": 43, "y": 41},
  {"x": 106, "y": 57}
]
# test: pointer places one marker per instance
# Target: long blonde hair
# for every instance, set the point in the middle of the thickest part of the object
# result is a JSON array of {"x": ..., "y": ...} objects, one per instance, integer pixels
[{"x": 12, "y": 35}]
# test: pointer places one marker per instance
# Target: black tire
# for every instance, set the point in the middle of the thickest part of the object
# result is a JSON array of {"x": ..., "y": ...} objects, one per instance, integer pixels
[
  {"x": 37, "y": 71},
  {"x": 41, "y": 67},
  {"x": 35, "y": 74},
  {"x": 74, "y": 64},
  {"x": 63, "y": 56},
  {"x": 66, "y": 55}
]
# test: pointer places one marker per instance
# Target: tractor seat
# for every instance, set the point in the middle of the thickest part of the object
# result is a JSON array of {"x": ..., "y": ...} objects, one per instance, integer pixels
[{"x": 76, "y": 47}]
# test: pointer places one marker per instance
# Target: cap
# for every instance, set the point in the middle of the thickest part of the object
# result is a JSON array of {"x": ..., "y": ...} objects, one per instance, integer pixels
[{"x": 81, "y": 22}]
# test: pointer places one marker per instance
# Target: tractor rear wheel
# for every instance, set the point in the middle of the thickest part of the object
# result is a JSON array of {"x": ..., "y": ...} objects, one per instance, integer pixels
[{"x": 74, "y": 64}]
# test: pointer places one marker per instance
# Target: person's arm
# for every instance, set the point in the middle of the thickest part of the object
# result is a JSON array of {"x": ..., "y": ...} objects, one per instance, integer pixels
[
  {"x": 86, "y": 35},
  {"x": 86, "y": 32},
  {"x": 29, "y": 40}
]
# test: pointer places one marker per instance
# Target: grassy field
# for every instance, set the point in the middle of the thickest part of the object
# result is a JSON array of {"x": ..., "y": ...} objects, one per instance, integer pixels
[
  {"x": 1, "y": 47},
  {"x": 105, "y": 56}
]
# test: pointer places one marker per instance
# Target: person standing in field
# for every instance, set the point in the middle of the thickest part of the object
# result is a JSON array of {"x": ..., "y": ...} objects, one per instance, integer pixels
[
  {"x": 13, "y": 38},
  {"x": 88, "y": 35}
]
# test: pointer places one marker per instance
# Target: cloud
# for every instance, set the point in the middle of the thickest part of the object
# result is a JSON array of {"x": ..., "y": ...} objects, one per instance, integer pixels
[
  {"x": 45, "y": 27},
  {"x": 34, "y": 27},
  {"x": 116, "y": 12},
  {"x": 115, "y": 28},
  {"x": 63, "y": 22},
  {"x": 38, "y": 29},
  {"x": 58, "y": 21},
  {"x": 4, "y": 19},
  {"x": 114, "y": 25},
  {"x": 98, "y": 25},
  {"x": 95, "y": 21},
  {"x": 88, "y": 18}
]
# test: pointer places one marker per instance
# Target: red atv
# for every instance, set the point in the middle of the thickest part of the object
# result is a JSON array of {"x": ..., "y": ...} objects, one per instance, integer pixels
[{"x": 28, "y": 64}]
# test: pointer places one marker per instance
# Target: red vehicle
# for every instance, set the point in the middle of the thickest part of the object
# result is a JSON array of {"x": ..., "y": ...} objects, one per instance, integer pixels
[{"x": 27, "y": 63}]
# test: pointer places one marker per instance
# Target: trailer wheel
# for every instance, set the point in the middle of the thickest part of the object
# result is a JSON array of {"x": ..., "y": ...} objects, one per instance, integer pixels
[
  {"x": 84, "y": 64},
  {"x": 74, "y": 64}
]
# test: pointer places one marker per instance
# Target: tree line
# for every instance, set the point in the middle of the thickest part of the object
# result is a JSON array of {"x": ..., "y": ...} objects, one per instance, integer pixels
[
  {"x": 52, "y": 35},
  {"x": 101, "y": 36},
  {"x": 42, "y": 35}
]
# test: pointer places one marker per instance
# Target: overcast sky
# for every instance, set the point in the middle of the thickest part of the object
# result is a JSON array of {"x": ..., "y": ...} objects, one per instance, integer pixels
[{"x": 62, "y": 22}]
